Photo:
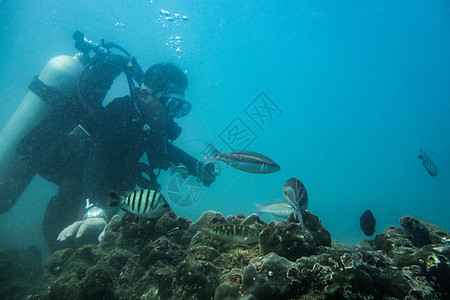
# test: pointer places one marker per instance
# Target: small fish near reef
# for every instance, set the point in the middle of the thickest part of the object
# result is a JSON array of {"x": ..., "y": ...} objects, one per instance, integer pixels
[
  {"x": 281, "y": 209},
  {"x": 238, "y": 234},
  {"x": 295, "y": 194},
  {"x": 143, "y": 203},
  {"x": 429, "y": 165},
  {"x": 250, "y": 162},
  {"x": 367, "y": 223}
]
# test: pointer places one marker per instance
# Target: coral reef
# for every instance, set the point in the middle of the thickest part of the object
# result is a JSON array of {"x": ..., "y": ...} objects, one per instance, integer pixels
[
  {"x": 289, "y": 240},
  {"x": 424, "y": 233},
  {"x": 20, "y": 273},
  {"x": 172, "y": 258}
]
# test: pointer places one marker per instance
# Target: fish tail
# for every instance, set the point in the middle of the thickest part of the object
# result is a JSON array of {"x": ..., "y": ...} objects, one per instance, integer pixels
[
  {"x": 114, "y": 198},
  {"x": 421, "y": 154},
  {"x": 259, "y": 209}
]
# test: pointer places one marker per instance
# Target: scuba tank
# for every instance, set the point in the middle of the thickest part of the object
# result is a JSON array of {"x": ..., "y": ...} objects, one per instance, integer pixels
[
  {"x": 51, "y": 88},
  {"x": 60, "y": 72}
]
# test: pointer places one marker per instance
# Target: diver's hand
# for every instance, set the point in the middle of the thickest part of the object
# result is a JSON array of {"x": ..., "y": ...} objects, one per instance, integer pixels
[
  {"x": 206, "y": 173},
  {"x": 88, "y": 226}
]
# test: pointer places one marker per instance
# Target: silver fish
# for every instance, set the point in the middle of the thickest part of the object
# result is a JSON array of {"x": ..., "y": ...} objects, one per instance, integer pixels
[
  {"x": 179, "y": 168},
  {"x": 428, "y": 164},
  {"x": 281, "y": 209},
  {"x": 250, "y": 162},
  {"x": 238, "y": 234},
  {"x": 143, "y": 203},
  {"x": 295, "y": 194}
]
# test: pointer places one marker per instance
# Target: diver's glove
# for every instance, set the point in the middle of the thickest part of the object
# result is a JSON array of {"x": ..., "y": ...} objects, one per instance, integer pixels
[
  {"x": 206, "y": 173},
  {"x": 89, "y": 226},
  {"x": 93, "y": 223}
]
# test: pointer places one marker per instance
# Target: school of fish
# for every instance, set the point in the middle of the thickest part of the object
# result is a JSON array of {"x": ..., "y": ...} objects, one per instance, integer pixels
[{"x": 151, "y": 204}]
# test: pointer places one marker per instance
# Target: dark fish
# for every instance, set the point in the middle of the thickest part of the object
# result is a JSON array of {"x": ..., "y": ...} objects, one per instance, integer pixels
[
  {"x": 238, "y": 234},
  {"x": 295, "y": 194},
  {"x": 428, "y": 164},
  {"x": 367, "y": 223},
  {"x": 250, "y": 162},
  {"x": 143, "y": 203}
]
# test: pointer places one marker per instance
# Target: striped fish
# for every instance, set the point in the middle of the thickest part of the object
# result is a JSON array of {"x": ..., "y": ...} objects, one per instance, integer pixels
[
  {"x": 428, "y": 164},
  {"x": 295, "y": 194},
  {"x": 143, "y": 203},
  {"x": 238, "y": 234},
  {"x": 250, "y": 162}
]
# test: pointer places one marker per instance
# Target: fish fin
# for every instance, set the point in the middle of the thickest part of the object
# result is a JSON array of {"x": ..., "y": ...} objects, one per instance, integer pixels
[
  {"x": 279, "y": 200},
  {"x": 259, "y": 209},
  {"x": 250, "y": 152},
  {"x": 300, "y": 219}
]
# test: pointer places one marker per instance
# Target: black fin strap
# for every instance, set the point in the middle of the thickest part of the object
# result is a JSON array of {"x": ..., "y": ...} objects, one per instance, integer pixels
[{"x": 48, "y": 94}]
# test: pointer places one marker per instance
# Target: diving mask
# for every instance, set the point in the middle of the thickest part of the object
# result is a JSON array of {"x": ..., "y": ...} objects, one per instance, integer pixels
[{"x": 175, "y": 106}]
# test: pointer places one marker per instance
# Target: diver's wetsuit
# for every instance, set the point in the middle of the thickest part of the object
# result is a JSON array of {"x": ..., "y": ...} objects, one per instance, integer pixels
[{"x": 100, "y": 157}]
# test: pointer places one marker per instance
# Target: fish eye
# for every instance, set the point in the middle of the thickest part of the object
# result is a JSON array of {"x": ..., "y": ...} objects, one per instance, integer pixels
[{"x": 165, "y": 205}]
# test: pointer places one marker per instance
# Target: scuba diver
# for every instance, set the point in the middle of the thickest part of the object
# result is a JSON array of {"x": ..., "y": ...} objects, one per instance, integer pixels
[{"x": 88, "y": 149}]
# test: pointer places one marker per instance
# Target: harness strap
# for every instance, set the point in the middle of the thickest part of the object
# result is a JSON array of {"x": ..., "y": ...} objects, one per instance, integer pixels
[{"x": 50, "y": 95}]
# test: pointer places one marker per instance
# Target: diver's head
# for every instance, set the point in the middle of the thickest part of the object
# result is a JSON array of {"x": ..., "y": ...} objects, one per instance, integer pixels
[
  {"x": 166, "y": 78},
  {"x": 166, "y": 84}
]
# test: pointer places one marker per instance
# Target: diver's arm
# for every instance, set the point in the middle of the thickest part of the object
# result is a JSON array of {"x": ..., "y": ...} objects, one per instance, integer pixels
[
  {"x": 96, "y": 184},
  {"x": 176, "y": 156},
  {"x": 204, "y": 172},
  {"x": 96, "y": 81},
  {"x": 94, "y": 202}
]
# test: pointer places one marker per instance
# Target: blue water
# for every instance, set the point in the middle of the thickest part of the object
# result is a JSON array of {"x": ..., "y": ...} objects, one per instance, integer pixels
[{"x": 357, "y": 88}]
